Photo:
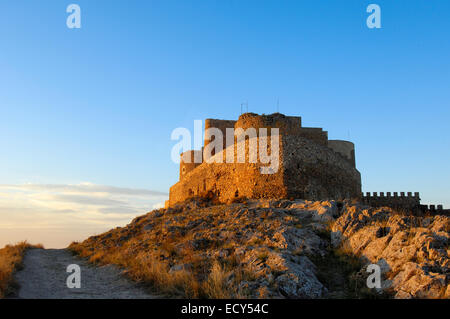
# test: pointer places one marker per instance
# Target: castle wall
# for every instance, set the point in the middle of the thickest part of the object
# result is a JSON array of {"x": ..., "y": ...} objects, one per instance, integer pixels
[
  {"x": 286, "y": 124},
  {"x": 306, "y": 170},
  {"x": 434, "y": 209},
  {"x": 396, "y": 201},
  {"x": 310, "y": 167},
  {"x": 227, "y": 181},
  {"x": 314, "y": 134},
  {"x": 315, "y": 172},
  {"x": 345, "y": 148}
]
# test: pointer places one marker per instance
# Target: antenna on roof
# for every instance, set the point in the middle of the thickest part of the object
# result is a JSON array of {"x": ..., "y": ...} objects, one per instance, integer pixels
[
  {"x": 242, "y": 107},
  {"x": 278, "y": 105}
]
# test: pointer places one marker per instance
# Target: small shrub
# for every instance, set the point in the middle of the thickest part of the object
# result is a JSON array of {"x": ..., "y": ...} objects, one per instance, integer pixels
[{"x": 216, "y": 285}]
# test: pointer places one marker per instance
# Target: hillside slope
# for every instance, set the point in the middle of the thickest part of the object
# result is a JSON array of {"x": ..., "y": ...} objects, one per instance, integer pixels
[{"x": 277, "y": 249}]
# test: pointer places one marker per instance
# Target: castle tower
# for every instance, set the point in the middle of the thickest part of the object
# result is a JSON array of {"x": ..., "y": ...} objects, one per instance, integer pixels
[{"x": 187, "y": 161}]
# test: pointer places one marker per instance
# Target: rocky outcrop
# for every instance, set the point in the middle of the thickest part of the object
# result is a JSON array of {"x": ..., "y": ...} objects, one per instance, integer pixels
[
  {"x": 279, "y": 249},
  {"x": 411, "y": 251}
]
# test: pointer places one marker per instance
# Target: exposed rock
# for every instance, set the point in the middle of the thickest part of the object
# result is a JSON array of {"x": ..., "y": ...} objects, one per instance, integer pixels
[
  {"x": 271, "y": 249},
  {"x": 413, "y": 250}
]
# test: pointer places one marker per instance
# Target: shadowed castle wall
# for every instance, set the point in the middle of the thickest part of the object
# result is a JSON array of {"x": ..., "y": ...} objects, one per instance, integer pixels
[
  {"x": 314, "y": 134},
  {"x": 345, "y": 148},
  {"x": 396, "y": 201},
  {"x": 315, "y": 172}
]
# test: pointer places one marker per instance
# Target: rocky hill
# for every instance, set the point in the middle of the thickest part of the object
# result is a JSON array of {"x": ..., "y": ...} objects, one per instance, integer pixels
[{"x": 279, "y": 249}]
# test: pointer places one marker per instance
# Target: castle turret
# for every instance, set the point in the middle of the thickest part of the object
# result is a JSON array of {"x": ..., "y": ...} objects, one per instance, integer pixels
[
  {"x": 286, "y": 124},
  {"x": 222, "y": 125},
  {"x": 187, "y": 161}
]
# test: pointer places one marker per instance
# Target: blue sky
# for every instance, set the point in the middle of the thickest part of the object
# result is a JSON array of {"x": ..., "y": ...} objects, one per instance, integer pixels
[{"x": 96, "y": 106}]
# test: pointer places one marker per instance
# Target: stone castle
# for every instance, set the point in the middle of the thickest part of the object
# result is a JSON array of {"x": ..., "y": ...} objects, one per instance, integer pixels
[{"x": 310, "y": 167}]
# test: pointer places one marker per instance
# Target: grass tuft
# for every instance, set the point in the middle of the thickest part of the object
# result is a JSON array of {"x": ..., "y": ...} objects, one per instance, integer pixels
[{"x": 11, "y": 257}]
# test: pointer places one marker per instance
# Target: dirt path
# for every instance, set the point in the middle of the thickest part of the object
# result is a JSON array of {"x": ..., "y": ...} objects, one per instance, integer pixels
[{"x": 44, "y": 276}]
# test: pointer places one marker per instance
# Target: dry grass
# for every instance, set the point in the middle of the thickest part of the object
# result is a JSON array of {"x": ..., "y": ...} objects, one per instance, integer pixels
[
  {"x": 158, "y": 275},
  {"x": 208, "y": 281},
  {"x": 215, "y": 286},
  {"x": 224, "y": 280},
  {"x": 175, "y": 256},
  {"x": 11, "y": 260},
  {"x": 201, "y": 251}
]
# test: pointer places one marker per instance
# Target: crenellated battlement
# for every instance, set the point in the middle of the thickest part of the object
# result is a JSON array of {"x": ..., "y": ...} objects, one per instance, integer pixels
[
  {"x": 389, "y": 195},
  {"x": 404, "y": 201},
  {"x": 433, "y": 208},
  {"x": 400, "y": 201}
]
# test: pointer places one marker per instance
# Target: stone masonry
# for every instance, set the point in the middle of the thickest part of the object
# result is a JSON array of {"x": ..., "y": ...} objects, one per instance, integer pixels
[{"x": 310, "y": 166}]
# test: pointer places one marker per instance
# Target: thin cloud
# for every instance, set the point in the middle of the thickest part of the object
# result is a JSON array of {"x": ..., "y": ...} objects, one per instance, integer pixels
[
  {"x": 87, "y": 200},
  {"x": 39, "y": 210},
  {"x": 84, "y": 188}
]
